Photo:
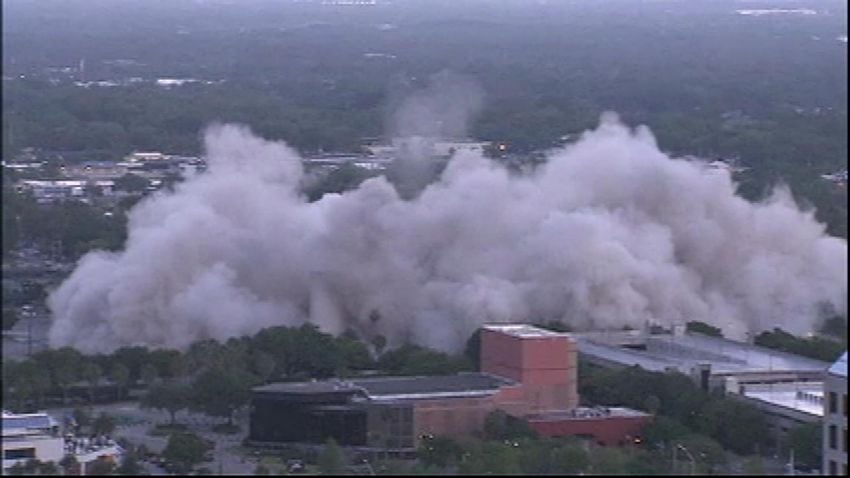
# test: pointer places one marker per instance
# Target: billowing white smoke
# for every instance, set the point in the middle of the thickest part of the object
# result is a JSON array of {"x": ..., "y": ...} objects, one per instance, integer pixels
[{"x": 609, "y": 232}]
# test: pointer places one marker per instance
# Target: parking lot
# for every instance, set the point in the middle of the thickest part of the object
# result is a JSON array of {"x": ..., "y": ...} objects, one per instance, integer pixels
[{"x": 135, "y": 424}]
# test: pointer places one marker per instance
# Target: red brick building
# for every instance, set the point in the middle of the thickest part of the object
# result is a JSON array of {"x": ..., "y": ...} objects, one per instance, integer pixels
[{"x": 526, "y": 371}]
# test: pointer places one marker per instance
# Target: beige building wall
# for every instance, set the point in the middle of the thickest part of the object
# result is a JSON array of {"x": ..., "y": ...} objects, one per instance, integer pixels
[{"x": 835, "y": 425}]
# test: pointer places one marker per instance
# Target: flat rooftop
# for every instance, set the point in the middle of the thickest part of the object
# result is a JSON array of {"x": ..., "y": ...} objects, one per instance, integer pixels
[
  {"x": 687, "y": 351},
  {"x": 524, "y": 331},
  {"x": 398, "y": 388},
  {"x": 588, "y": 413},
  {"x": 308, "y": 388},
  {"x": 26, "y": 423},
  {"x": 806, "y": 397}
]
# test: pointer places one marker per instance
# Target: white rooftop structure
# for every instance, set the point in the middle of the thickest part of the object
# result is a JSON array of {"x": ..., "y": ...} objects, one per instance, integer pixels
[
  {"x": 27, "y": 424},
  {"x": 524, "y": 331},
  {"x": 806, "y": 397},
  {"x": 589, "y": 413},
  {"x": 839, "y": 368},
  {"x": 146, "y": 156}
]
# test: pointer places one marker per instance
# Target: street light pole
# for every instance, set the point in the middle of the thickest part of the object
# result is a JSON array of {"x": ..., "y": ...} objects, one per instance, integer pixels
[
  {"x": 675, "y": 464},
  {"x": 690, "y": 457},
  {"x": 29, "y": 334}
]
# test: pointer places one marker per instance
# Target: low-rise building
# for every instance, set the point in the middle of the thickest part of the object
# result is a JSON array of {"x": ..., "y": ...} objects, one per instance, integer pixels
[
  {"x": 30, "y": 436},
  {"x": 95, "y": 170},
  {"x": 787, "y": 388},
  {"x": 712, "y": 362},
  {"x": 38, "y": 436},
  {"x": 53, "y": 190},
  {"x": 526, "y": 372},
  {"x": 141, "y": 157},
  {"x": 49, "y": 191}
]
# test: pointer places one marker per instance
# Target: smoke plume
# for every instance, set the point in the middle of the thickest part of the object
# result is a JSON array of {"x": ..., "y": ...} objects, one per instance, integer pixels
[{"x": 609, "y": 232}]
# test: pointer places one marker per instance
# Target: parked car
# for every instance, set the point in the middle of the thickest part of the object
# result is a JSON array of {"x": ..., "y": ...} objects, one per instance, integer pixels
[{"x": 295, "y": 466}]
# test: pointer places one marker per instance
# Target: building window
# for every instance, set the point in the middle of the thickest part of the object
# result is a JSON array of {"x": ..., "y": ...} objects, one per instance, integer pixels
[
  {"x": 19, "y": 454},
  {"x": 833, "y": 469},
  {"x": 833, "y": 402},
  {"x": 833, "y": 437}
]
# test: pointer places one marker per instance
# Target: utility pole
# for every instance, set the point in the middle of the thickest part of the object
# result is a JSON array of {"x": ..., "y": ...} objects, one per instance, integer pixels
[
  {"x": 791, "y": 466},
  {"x": 220, "y": 463}
]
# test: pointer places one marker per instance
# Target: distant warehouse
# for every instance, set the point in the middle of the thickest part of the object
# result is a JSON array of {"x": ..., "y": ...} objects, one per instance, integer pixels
[
  {"x": 712, "y": 362},
  {"x": 787, "y": 388}
]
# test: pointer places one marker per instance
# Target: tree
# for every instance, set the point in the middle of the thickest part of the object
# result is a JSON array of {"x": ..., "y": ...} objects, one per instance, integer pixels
[
  {"x": 722, "y": 421},
  {"x": 490, "y": 458},
  {"x": 498, "y": 425},
  {"x": 415, "y": 360},
  {"x": 19, "y": 468},
  {"x": 354, "y": 355},
  {"x": 134, "y": 358},
  {"x": 221, "y": 391},
  {"x": 607, "y": 461},
  {"x": 571, "y": 459},
  {"x": 169, "y": 363},
  {"x": 120, "y": 374},
  {"x": 754, "y": 465},
  {"x": 185, "y": 450},
  {"x": 27, "y": 380},
  {"x": 834, "y": 326},
  {"x": 91, "y": 373},
  {"x": 130, "y": 465},
  {"x": 806, "y": 441},
  {"x": 31, "y": 466},
  {"x": 48, "y": 468},
  {"x": 131, "y": 183},
  {"x": 703, "y": 328},
  {"x": 652, "y": 404},
  {"x": 101, "y": 466},
  {"x": 171, "y": 396},
  {"x": 69, "y": 464},
  {"x": 664, "y": 430},
  {"x": 472, "y": 350},
  {"x": 345, "y": 177},
  {"x": 709, "y": 454},
  {"x": 64, "y": 366},
  {"x": 331, "y": 459},
  {"x": 440, "y": 451},
  {"x": 207, "y": 354},
  {"x": 148, "y": 374},
  {"x": 103, "y": 425},
  {"x": 819, "y": 348},
  {"x": 379, "y": 342},
  {"x": 645, "y": 463},
  {"x": 82, "y": 418},
  {"x": 10, "y": 317},
  {"x": 313, "y": 352},
  {"x": 264, "y": 365}
]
